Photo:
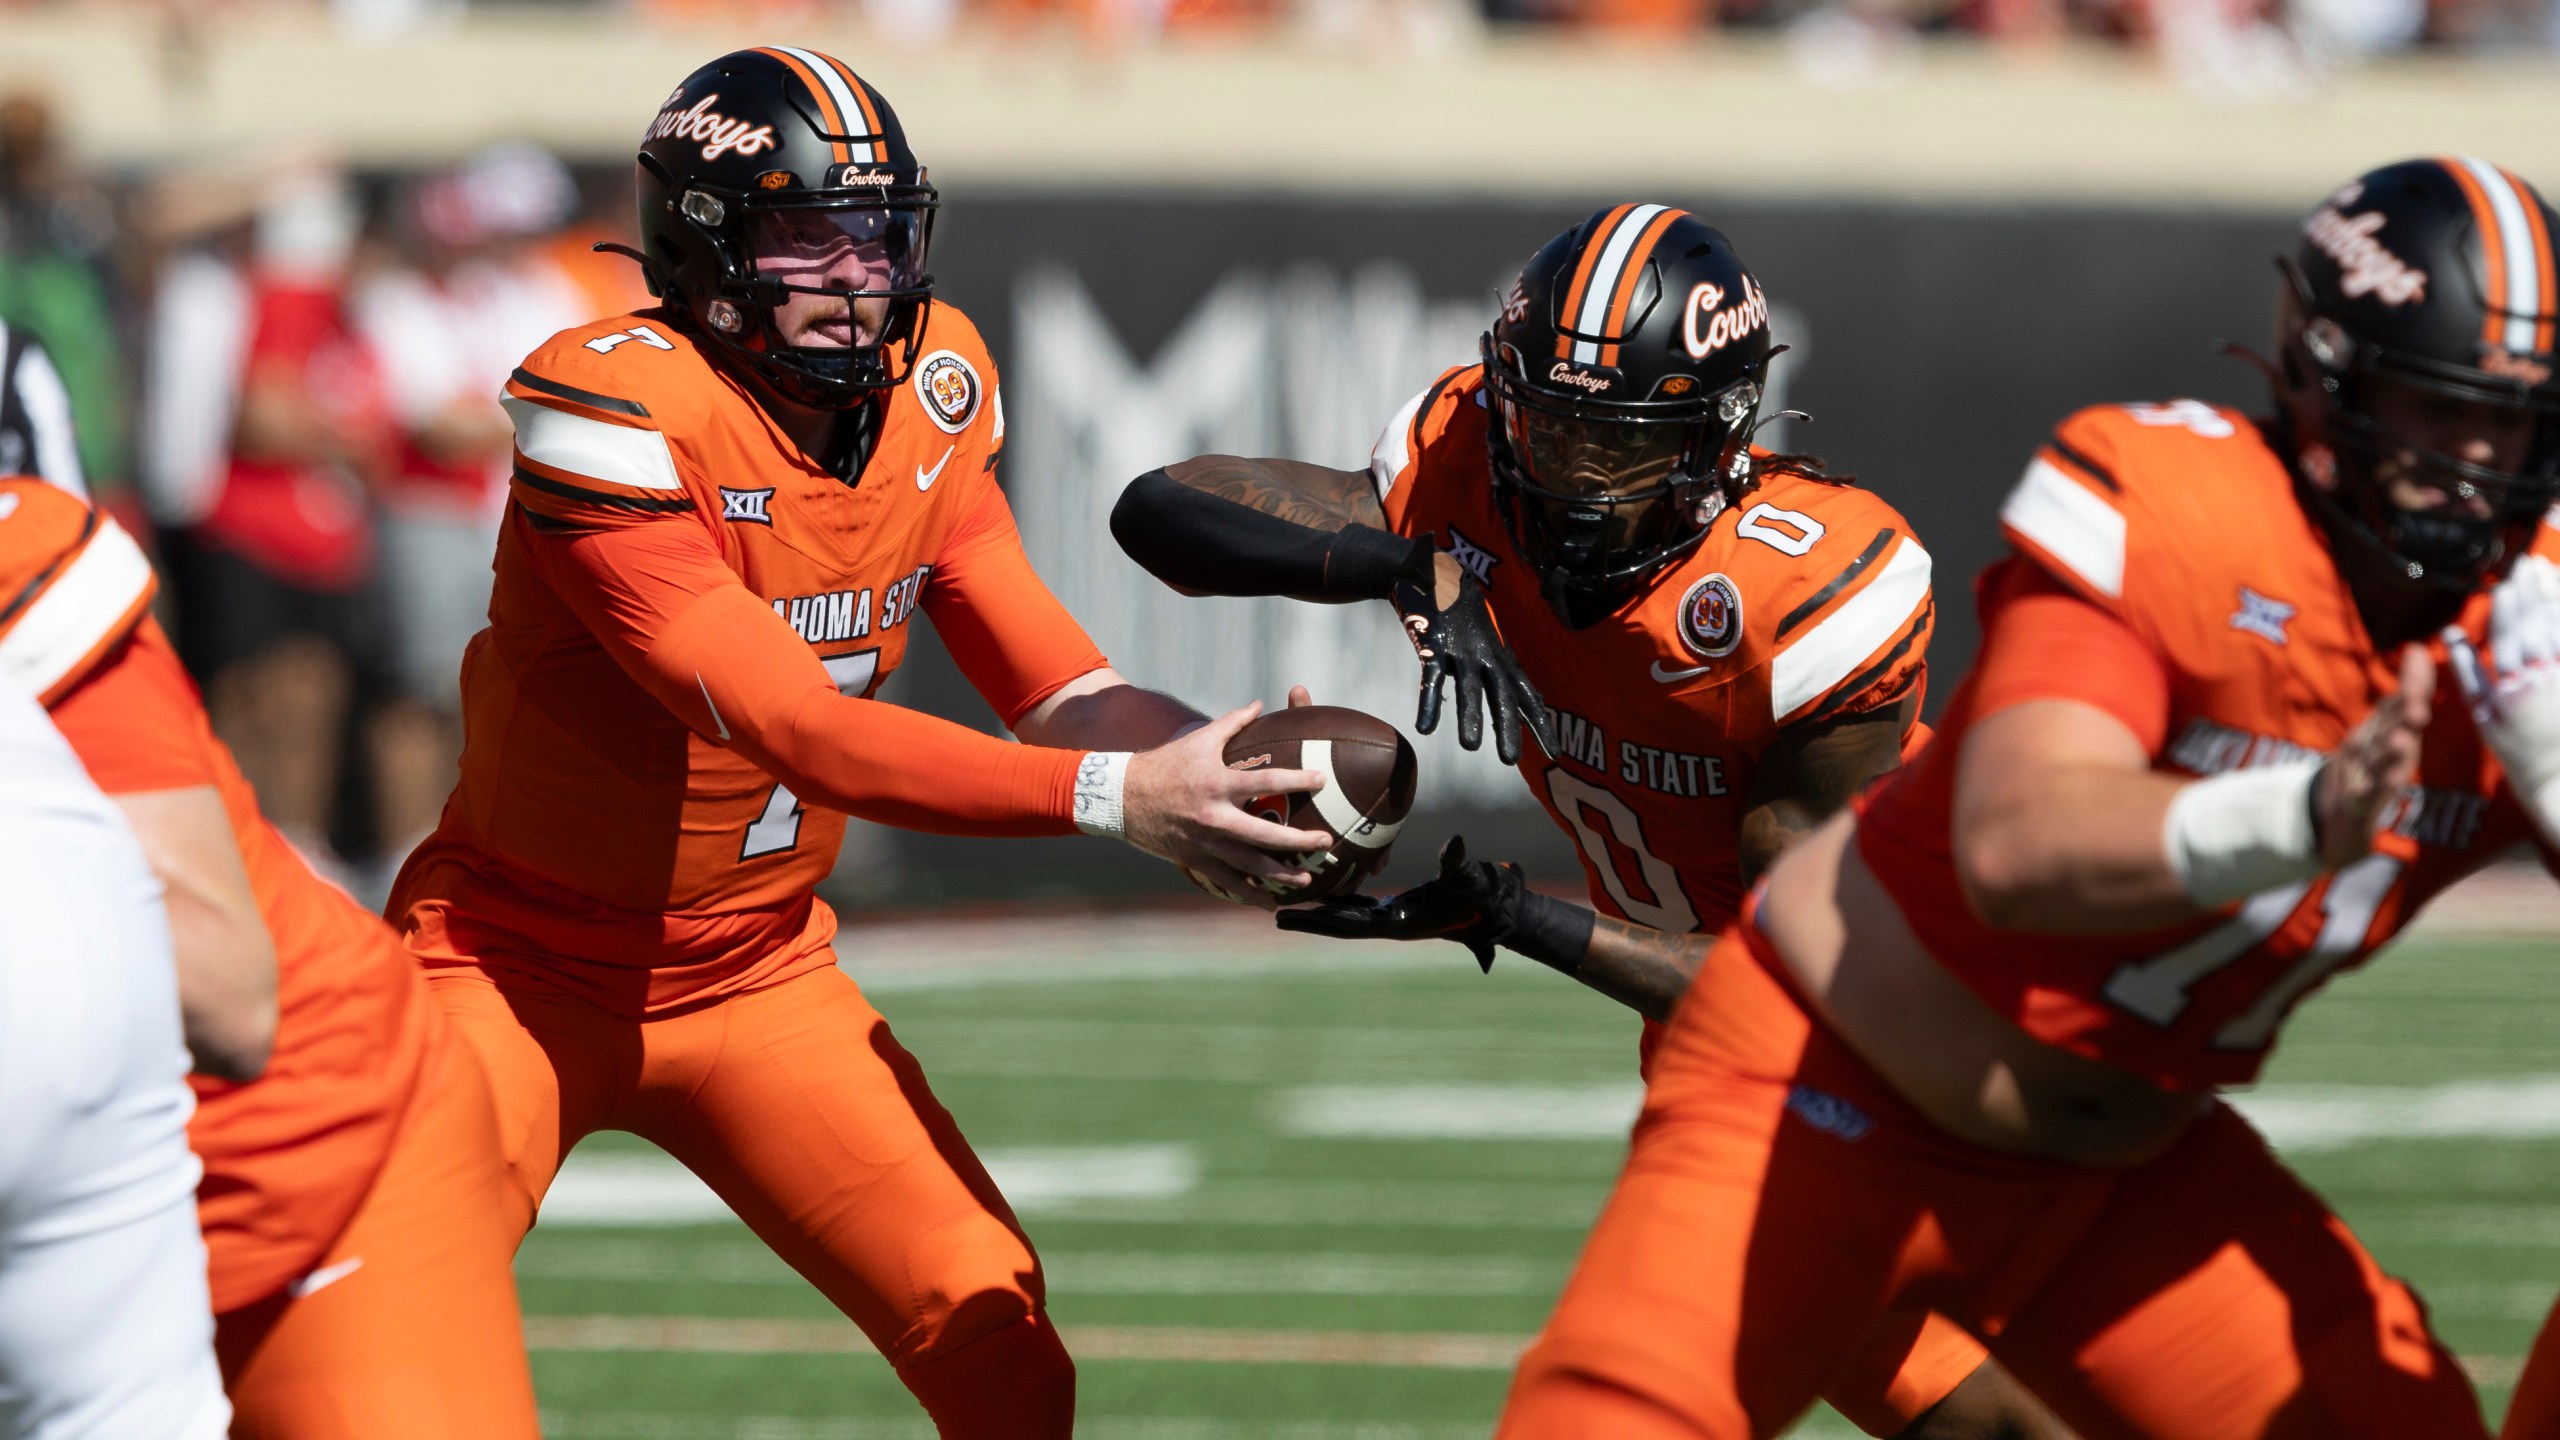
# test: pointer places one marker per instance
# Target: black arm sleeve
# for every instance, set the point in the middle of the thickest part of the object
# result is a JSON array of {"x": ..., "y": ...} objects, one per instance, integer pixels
[{"x": 1216, "y": 546}]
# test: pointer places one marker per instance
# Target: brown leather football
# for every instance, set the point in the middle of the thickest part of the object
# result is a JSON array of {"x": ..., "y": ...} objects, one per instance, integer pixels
[{"x": 1369, "y": 780}]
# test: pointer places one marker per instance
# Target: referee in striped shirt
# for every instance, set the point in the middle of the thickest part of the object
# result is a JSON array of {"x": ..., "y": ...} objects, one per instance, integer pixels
[{"x": 35, "y": 414}]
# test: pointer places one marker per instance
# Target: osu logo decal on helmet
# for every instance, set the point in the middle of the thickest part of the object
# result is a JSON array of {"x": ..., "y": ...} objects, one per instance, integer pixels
[
  {"x": 773, "y": 174},
  {"x": 1624, "y": 377},
  {"x": 2415, "y": 376}
]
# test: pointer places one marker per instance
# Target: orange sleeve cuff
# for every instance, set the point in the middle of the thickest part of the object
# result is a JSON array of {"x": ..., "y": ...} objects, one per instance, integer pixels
[{"x": 2042, "y": 641}]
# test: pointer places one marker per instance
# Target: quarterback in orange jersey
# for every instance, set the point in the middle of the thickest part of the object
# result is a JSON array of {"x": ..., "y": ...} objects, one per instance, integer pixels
[
  {"x": 726, "y": 514},
  {"x": 353, "y": 1200},
  {"x": 1731, "y": 643},
  {"x": 1961, "y": 1050}
]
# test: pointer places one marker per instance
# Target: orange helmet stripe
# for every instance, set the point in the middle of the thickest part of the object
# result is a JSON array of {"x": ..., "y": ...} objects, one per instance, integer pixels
[
  {"x": 827, "y": 109},
  {"x": 2516, "y": 245},
  {"x": 861, "y": 95},
  {"x": 1628, "y": 272},
  {"x": 1592, "y": 246},
  {"x": 2546, "y": 265},
  {"x": 2493, "y": 252}
]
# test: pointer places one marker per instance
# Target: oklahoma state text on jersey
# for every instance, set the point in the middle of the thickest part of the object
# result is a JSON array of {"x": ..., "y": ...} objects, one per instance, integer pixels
[
  {"x": 1811, "y": 601},
  {"x": 287, "y": 1157},
  {"x": 597, "y": 826},
  {"x": 2180, "y": 521}
]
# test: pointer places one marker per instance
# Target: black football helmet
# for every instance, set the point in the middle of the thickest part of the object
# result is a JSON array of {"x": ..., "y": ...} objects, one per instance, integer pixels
[
  {"x": 2423, "y": 287},
  {"x": 1623, "y": 378},
  {"x": 767, "y": 149}
]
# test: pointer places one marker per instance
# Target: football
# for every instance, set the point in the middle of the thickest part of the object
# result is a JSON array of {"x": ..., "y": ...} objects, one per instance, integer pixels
[{"x": 1369, "y": 775}]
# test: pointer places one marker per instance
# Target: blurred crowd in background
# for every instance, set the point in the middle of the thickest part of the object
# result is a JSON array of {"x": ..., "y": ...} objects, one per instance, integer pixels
[
  {"x": 1829, "y": 30},
  {"x": 285, "y": 379}
]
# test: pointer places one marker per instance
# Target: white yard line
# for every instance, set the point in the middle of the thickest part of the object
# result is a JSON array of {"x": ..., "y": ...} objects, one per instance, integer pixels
[
  {"x": 625, "y": 1187},
  {"x": 1601, "y": 1111},
  {"x": 2300, "y": 1119},
  {"x": 1078, "y": 1272},
  {"x": 577, "y": 1425},
  {"x": 1391, "y": 1349}
]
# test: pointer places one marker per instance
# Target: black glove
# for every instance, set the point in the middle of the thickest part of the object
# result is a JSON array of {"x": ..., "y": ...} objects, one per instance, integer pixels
[
  {"x": 1477, "y": 903},
  {"x": 1461, "y": 643}
]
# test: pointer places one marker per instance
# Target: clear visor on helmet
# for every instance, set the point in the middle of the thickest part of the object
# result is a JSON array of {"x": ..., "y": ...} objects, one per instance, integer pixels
[
  {"x": 1571, "y": 455},
  {"x": 839, "y": 267}
]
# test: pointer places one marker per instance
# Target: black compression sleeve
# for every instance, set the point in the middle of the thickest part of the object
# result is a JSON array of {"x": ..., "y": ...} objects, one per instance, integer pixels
[
  {"x": 1555, "y": 933},
  {"x": 1216, "y": 546}
]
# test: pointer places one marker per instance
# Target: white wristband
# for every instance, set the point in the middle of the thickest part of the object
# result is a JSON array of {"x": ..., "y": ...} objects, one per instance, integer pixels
[
  {"x": 2239, "y": 833},
  {"x": 1100, "y": 777}
]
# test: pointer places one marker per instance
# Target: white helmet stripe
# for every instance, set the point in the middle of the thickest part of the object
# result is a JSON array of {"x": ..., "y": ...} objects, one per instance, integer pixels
[
  {"x": 2525, "y": 300},
  {"x": 847, "y": 103},
  {"x": 1604, "y": 280}
]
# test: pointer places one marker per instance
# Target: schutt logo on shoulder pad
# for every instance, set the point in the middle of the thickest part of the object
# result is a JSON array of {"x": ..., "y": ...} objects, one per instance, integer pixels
[{"x": 747, "y": 506}]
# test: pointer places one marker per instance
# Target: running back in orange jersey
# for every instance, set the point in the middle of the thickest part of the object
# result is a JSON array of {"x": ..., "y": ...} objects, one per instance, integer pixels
[
  {"x": 1811, "y": 603},
  {"x": 2242, "y": 648},
  {"x": 290, "y": 1156}
]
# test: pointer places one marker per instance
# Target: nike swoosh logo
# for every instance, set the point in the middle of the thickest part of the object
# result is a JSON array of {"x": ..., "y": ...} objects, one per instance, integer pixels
[
  {"x": 1671, "y": 677},
  {"x": 326, "y": 1276},
  {"x": 716, "y": 722},
  {"x": 925, "y": 478}
]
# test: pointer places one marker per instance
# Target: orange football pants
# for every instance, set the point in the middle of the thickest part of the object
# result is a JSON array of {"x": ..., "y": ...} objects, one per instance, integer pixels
[
  {"x": 1909, "y": 1362},
  {"x": 1780, "y": 1203},
  {"x": 2533, "y": 1412},
  {"x": 799, "y": 1108},
  {"x": 407, "y": 1329}
]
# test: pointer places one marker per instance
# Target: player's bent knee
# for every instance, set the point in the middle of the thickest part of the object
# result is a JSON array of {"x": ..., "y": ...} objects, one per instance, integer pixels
[{"x": 1011, "y": 1382}]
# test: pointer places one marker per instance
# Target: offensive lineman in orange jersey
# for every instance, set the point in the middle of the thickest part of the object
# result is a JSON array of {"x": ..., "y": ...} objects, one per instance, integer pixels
[
  {"x": 1733, "y": 641},
  {"x": 725, "y": 515},
  {"x": 1961, "y": 1049},
  {"x": 353, "y": 1201}
]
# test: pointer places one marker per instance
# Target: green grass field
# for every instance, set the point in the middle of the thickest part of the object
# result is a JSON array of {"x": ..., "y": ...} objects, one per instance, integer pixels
[{"x": 1315, "y": 1192}]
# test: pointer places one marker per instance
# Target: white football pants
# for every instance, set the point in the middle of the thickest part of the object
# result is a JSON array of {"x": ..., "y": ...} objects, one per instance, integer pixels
[{"x": 106, "y": 1330}]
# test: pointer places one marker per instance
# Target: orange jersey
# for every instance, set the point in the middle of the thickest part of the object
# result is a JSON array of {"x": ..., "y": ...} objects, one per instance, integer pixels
[
  {"x": 2241, "y": 646},
  {"x": 1811, "y": 602},
  {"x": 289, "y": 1156},
  {"x": 667, "y": 720}
]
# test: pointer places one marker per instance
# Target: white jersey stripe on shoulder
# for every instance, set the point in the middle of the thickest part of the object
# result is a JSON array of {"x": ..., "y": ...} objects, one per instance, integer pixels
[
  {"x": 1850, "y": 636},
  {"x": 2070, "y": 522},
  {"x": 615, "y": 454},
  {"x": 78, "y": 612},
  {"x": 846, "y": 104},
  {"x": 1604, "y": 280},
  {"x": 2525, "y": 300},
  {"x": 1393, "y": 454}
]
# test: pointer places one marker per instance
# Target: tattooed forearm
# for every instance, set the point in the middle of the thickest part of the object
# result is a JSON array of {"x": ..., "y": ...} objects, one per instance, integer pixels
[
  {"x": 1315, "y": 496},
  {"x": 1644, "y": 969},
  {"x": 1812, "y": 771}
]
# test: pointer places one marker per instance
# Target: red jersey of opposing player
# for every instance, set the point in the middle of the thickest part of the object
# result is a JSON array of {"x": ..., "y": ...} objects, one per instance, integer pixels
[
  {"x": 1811, "y": 603},
  {"x": 289, "y": 1157},
  {"x": 611, "y": 835},
  {"x": 2236, "y": 644}
]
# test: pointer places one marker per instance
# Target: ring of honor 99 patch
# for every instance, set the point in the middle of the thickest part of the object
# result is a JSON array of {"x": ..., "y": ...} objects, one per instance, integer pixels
[{"x": 1711, "y": 617}]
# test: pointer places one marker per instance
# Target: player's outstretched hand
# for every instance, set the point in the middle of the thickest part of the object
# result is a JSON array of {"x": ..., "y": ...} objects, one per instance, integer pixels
[
  {"x": 1471, "y": 902},
  {"x": 2376, "y": 761},
  {"x": 1452, "y": 630},
  {"x": 1182, "y": 802}
]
